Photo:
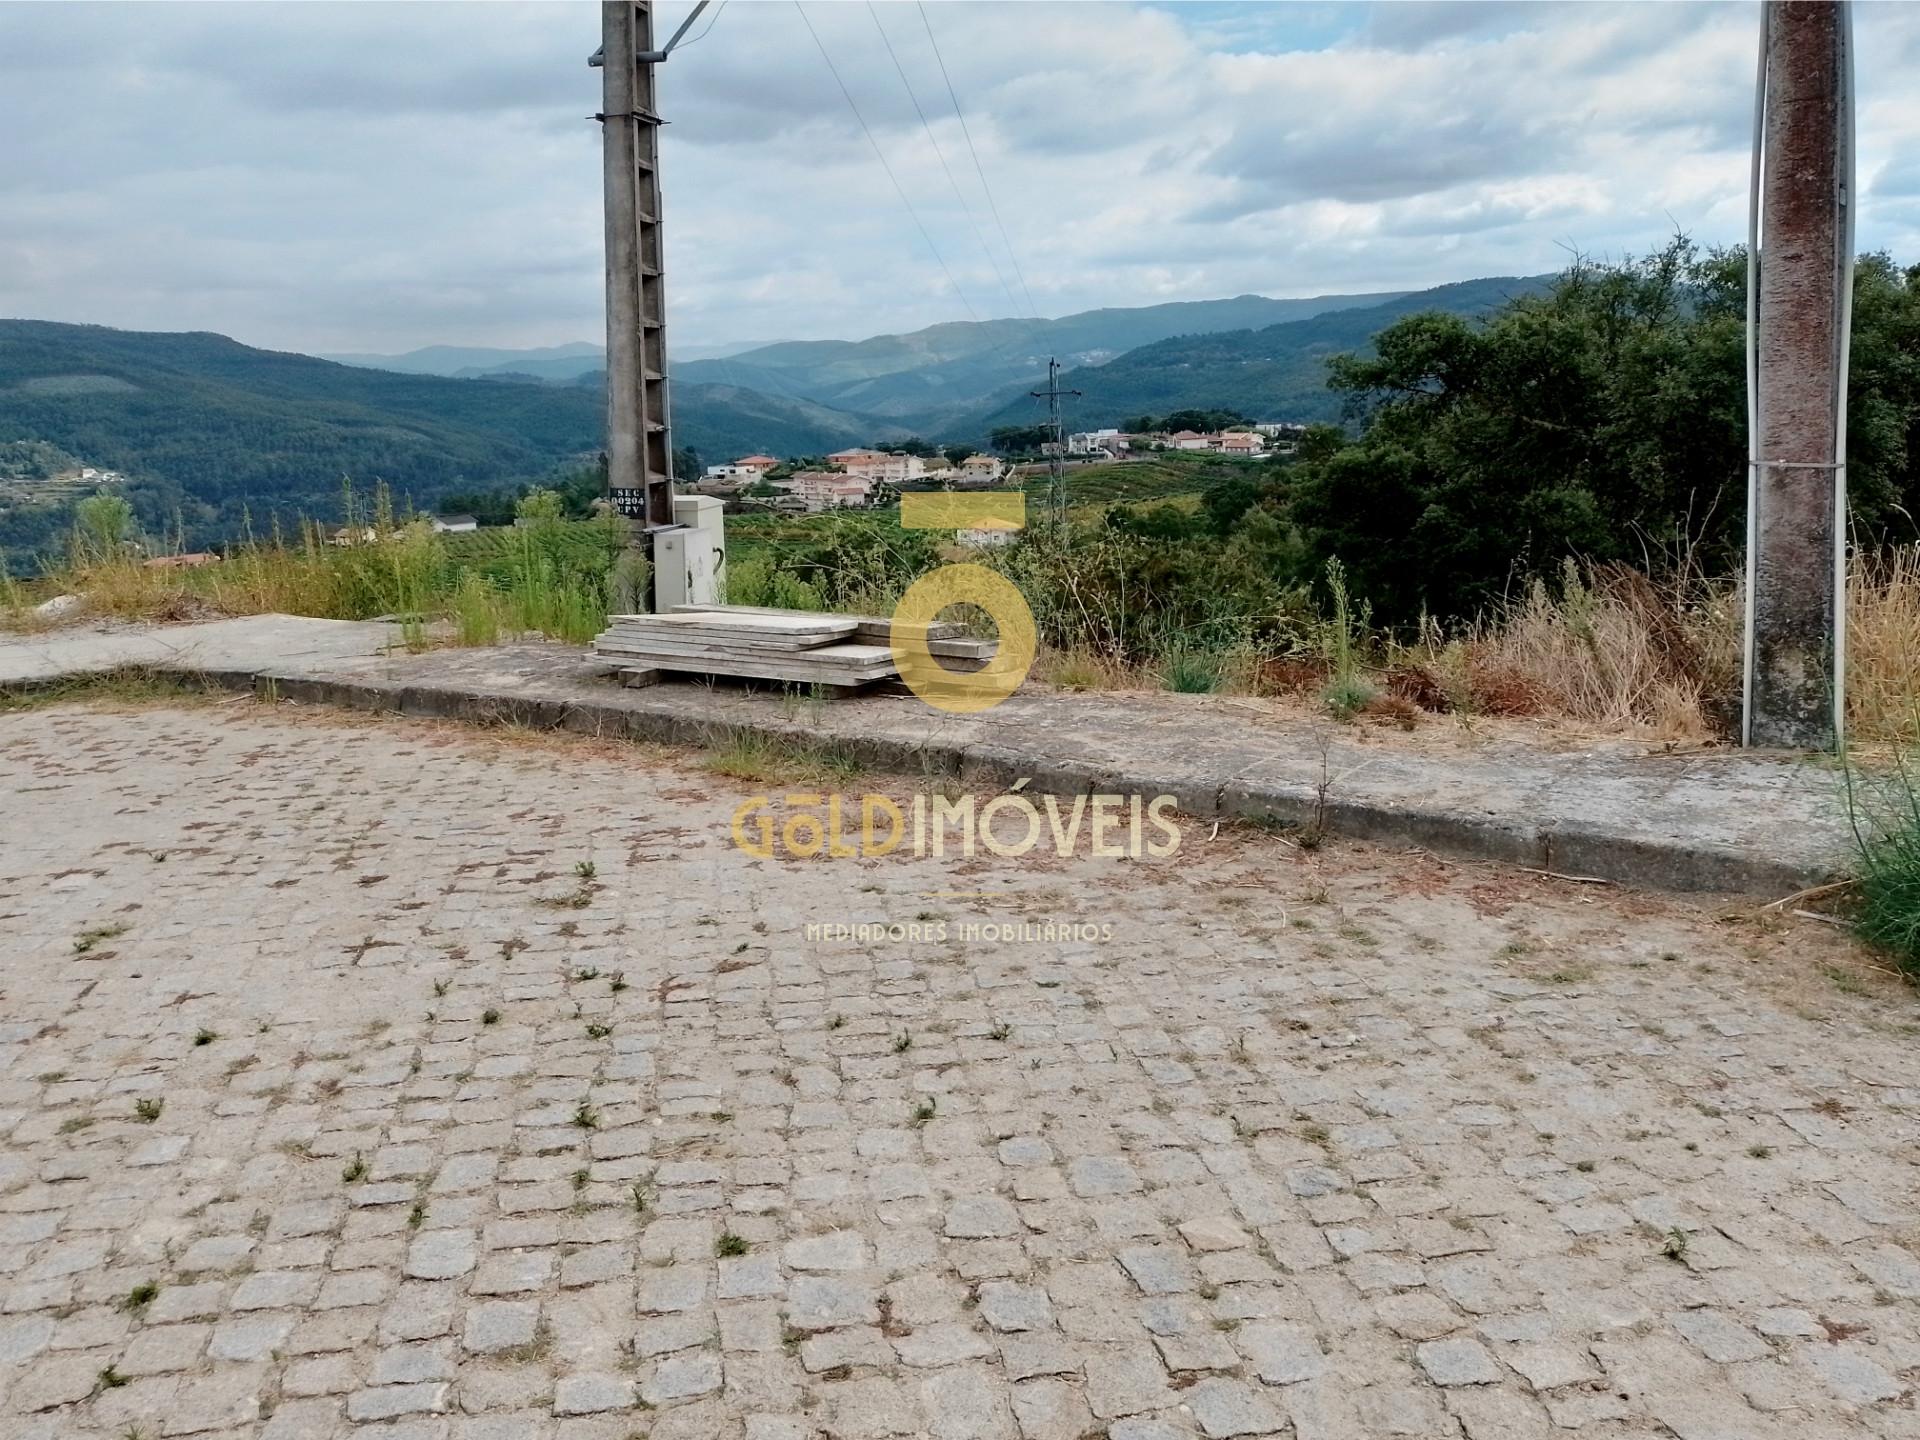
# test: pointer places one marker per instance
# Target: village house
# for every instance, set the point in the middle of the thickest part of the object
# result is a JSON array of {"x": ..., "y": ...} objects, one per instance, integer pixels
[
  {"x": 1098, "y": 442},
  {"x": 1241, "y": 443},
  {"x": 758, "y": 464},
  {"x": 857, "y": 461},
  {"x": 829, "y": 489},
  {"x": 1187, "y": 440},
  {"x": 982, "y": 469},
  {"x": 988, "y": 537},
  {"x": 876, "y": 465},
  {"x": 455, "y": 524},
  {"x": 182, "y": 562}
]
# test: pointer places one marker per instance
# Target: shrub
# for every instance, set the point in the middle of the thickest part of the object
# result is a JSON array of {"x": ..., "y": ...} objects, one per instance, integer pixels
[
  {"x": 1191, "y": 672},
  {"x": 1886, "y": 824},
  {"x": 1346, "y": 698},
  {"x": 476, "y": 611}
]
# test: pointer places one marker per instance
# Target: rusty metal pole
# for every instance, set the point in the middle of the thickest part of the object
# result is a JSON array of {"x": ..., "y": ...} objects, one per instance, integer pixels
[{"x": 1800, "y": 309}]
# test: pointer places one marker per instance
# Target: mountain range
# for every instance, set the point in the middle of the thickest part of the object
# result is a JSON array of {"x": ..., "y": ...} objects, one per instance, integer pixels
[
  {"x": 225, "y": 435},
  {"x": 560, "y": 364},
  {"x": 932, "y": 378},
  {"x": 221, "y": 434},
  {"x": 1275, "y": 373}
]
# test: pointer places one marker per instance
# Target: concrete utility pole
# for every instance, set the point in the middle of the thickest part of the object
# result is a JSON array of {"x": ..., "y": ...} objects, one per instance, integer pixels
[
  {"x": 639, "y": 435},
  {"x": 1799, "y": 316},
  {"x": 1057, "y": 470}
]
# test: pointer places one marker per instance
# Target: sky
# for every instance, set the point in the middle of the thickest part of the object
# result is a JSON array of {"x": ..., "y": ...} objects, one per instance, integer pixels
[{"x": 375, "y": 177}]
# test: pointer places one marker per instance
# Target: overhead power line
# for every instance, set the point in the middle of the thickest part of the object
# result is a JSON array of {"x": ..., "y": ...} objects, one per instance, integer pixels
[
  {"x": 708, "y": 26},
  {"x": 880, "y": 155},
  {"x": 978, "y": 169},
  {"x": 965, "y": 208}
]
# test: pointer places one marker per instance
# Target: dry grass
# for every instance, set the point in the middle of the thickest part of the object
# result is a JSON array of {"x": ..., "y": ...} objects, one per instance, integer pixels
[
  {"x": 1084, "y": 669},
  {"x": 1619, "y": 653},
  {"x": 1883, "y": 647},
  {"x": 1611, "y": 650}
]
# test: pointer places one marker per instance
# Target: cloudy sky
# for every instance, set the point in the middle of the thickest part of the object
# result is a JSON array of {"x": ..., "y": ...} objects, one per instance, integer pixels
[{"x": 377, "y": 176}]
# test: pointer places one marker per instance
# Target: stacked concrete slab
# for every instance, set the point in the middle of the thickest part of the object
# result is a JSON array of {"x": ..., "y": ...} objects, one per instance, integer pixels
[{"x": 757, "y": 643}]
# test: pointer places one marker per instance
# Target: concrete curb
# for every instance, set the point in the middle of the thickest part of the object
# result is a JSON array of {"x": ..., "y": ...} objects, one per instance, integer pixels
[
  {"x": 1644, "y": 860},
  {"x": 1520, "y": 825}
]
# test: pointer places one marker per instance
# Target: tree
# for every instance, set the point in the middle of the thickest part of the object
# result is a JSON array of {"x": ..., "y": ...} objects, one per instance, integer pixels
[
  {"x": 686, "y": 463},
  {"x": 1226, "y": 502},
  {"x": 1204, "y": 421},
  {"x": 102, "y": 525},
  {"x": 957, "y": 453},
  {"x": 1020, "y": 439},
  {"x": 540, "y": 507},
  {"x": 912, "y": 445},
  {"x": 1588, "y": 420}
]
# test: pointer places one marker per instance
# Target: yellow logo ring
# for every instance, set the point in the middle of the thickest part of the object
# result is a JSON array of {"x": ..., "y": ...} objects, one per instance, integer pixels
[{"x": 963, "y": 692}]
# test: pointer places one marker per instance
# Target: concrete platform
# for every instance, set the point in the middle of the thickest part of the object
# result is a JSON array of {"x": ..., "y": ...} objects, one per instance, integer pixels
[{"x": 1755, "y": 821}]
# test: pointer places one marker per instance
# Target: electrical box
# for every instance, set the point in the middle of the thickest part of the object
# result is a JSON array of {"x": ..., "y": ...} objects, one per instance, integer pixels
[
  {"x": 706, "y": 547},
  {"x": 672, "y": 582}
]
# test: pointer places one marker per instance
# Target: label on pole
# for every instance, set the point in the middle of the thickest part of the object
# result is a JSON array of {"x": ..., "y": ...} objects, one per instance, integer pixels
[{"x": 630, "y": 502}]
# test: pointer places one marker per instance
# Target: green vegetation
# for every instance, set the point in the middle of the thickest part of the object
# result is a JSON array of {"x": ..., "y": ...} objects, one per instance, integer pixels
[
  {"x": 219, "y": 440},
  {"x": 1886, "y": 824},
  {"x": 140, "y": 1297},
  {"x": 1165, "y": 475},
  {"x": 1599, "y": 416},
  {"x": 212, "y": 432},
  {"x": 22, "y": 460},
  {"x": 1603, "y": 417},
  {"x": 543, "y": 575}
]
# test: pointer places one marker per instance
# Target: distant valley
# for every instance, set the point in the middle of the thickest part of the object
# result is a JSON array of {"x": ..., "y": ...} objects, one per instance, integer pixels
[{"x": 215, "y": 436}]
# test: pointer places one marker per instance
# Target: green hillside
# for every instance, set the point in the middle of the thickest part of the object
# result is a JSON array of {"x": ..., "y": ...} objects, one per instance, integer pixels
[
  {"x": 724, "y": 421},
  {"x": 212, "y": 433},
  {"x": 1278, "y": 373},
  {"x": 215, "y": 430}
]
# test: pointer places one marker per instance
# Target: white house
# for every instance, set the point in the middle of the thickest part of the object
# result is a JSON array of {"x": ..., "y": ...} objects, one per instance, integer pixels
[
  {"x": 1096, "y": 442},
  {"x": 988, "y": 537},
  {"x": 454, "y": 524},
  {"x": 982, "y": 468}
]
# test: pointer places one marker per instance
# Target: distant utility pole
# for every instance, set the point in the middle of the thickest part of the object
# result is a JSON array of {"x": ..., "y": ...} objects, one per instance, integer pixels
[
  {"x": 1057, "y": 470},
  {"x": 639, "y": 433},
  {"x": 1799, "y": 315}
]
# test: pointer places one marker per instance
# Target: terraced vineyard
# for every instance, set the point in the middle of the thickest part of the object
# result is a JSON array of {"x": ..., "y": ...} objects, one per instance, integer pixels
[
  {"x": 579, "y": 545},
  {"x": 1160, "y": 478}
]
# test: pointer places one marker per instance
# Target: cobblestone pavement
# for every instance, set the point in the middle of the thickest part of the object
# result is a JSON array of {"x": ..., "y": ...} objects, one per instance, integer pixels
[{"x": 336, "y": 1101}]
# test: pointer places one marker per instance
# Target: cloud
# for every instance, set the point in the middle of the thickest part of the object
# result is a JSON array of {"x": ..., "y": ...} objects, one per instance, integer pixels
[{"x": 375, "y": 176}]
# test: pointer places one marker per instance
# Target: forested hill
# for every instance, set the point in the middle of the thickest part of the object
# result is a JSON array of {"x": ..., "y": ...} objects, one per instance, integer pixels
[
  {"x": 216, "y": 431},
  {"x": 1278, "y": 373},
  {"x": 215, "y": 428}
]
